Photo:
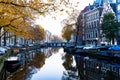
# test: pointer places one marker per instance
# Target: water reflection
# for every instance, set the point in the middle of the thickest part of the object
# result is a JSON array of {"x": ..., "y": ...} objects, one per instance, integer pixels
[
  {"x": 71, "y": 71},
  {"x": 49, "y": 51},
  {"x": 39, "y": 60},
  {"x": 52, "y": 70},
  {"x": 54, "y": 64},
  {"x": 30, "y": 67},
  {"x": 44, "y": 65},
  {"x": 93, "y": 69}
]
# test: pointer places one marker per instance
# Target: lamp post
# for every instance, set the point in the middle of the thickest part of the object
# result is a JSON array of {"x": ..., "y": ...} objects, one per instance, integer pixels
[{"x": 96, "y": 42}]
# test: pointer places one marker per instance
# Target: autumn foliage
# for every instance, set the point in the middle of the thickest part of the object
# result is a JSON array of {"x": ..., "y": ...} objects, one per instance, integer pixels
[
  {"x": 18, "y": 17},
  {"x": 67, "y": 31}
]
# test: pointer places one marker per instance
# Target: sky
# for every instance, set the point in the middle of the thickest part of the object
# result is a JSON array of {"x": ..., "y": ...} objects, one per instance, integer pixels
[{"x": 54, "y": 25}]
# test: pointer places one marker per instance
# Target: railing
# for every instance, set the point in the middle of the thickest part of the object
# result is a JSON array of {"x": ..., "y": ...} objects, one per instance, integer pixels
[{"x": 56, "y": 44}]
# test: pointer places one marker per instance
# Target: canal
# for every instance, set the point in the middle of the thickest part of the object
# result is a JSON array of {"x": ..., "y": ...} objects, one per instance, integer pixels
[
  {"x": 47, "y": 64},
  {"x": 55, "y": 64}
]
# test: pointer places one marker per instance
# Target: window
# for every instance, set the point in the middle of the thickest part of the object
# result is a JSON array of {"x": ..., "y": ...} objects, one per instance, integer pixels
[
  {"x": 97, "y": 23},
  {"x": 94, "y": 24}
]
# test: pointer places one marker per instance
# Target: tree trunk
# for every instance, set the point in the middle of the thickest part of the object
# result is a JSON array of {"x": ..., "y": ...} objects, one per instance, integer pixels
[
  {"x": 15, "y": 40},
  {"x": 0, "y": 36},
  {"x": 4, "y": 39}
]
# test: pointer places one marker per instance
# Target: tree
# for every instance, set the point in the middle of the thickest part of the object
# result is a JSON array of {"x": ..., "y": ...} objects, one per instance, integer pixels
[
  {"x": 79, "y": 29},
  {"x": 109, "y": 27},
  {"x": 25, "y": 11},
  {"x": 69, "y": 23},
  {"x": 55, "y": 38},
  {"x": 67, "y": 32},
  {"x": 36, "y": 33},
  {"x": 18, "y": 16},
  {"x": 39, "y": 33}
]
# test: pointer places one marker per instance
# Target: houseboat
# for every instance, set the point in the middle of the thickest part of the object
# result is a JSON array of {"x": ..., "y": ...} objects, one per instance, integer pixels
[{"x": 12, "y": 64}]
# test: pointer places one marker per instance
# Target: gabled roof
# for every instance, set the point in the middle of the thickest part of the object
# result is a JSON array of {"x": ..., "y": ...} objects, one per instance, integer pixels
[{"x": 100, "y": 4}]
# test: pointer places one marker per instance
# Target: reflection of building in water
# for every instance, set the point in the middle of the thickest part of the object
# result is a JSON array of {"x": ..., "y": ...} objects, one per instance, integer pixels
[
  {"x": 47, "y": 52},
  {"x": 92, "y": 69}
]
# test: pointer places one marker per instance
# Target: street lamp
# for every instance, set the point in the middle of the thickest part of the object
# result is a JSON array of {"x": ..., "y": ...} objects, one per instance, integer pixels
[
  {"x": 97, "y": 67},
  {"x": 96, "y": 42}
]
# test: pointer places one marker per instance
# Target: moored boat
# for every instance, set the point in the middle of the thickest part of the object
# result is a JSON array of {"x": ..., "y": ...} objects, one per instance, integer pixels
[
  {"x": 12, "y": 64},
  {"x": 81, "y": 52}
]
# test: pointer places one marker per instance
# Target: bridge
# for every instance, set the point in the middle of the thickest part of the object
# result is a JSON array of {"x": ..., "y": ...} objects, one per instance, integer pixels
[{"x": 56, "y": 44}]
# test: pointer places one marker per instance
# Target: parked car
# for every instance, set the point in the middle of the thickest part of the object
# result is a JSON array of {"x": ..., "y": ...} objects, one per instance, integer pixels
[
  {"x": 6, "y": 47},
  {"x": 3, "y": 50},
  {"x": 30, "y": 45},
  {"x": 115, "y": 48},
  {"x": 79, "y": 47},
  {"x": 81, "y": 52},
  {"x": 103, "y": 48},
  {"x": 1, "y": 53},
  {"x": 89, "y": 47}
]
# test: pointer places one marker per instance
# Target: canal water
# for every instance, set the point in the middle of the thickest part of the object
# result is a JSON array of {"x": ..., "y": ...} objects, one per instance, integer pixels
[
  {"x": 52, "y": 69},
  {"x": 55, "y": 64},
  {"x": 47, "y": 64}
]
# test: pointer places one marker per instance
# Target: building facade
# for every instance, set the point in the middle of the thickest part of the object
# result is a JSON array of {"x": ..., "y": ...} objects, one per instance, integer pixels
[
  {"x": 118, "y": 18},
  {"x": 92, "y": 17}
]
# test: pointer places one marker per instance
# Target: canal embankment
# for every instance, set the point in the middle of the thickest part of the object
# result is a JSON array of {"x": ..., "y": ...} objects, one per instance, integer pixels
[
  {"x": 2, "y": 59},
  {"x": 109, "y": 55}
]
